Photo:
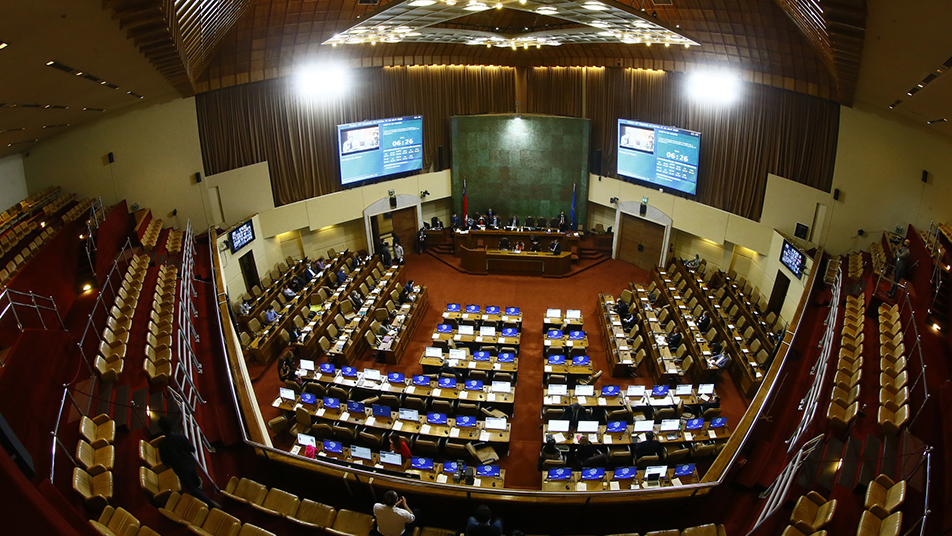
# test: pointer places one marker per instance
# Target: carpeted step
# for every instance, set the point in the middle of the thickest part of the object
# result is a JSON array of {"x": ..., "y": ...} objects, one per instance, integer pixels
[
  {"x": 140, "y": 398},
  {"x": 890, "y": 465},
  {"x": 753, "y": 468},
  {"x": 156, "y": 406},
  {"x": 870, "y": 467},
  {"x": 830, "y": 464},
  {"x": 851, "y": 463},
  {"x": 121, "y": 409},
  {"x": 103, "y": 399},
  {"x": 810, "y": 468}
]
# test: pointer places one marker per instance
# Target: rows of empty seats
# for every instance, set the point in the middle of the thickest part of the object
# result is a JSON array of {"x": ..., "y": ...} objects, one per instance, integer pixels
[
  {"x": 26, "y": 253},
  {"x": 95, "y": 483},
  {"x": 155, "y": 479},
  {"x": 119, "y": 522},
  {"x": 115, "y": 336},
  {"x": 158, "y": 348},
  {"x": 173, "y": 243},
  {"x": 151, "y": 235},
  {"x": 58, "y": 203},
  {"x": 883, "y": 499},
  {"x": 878, "y": 257},
  {"x": 893, "y": 411},
  {"x": 80, "y": 209},
  {"x": 811, "y": 513},
  {"x": 844, "y": 402},
  {"x": 855, "y": 265}
]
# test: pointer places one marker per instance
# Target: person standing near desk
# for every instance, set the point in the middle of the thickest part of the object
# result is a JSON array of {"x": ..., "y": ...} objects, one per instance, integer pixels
[
  {"x": 563, "y": 223},
  {"x": 397, "y": 252},
  {"x": 393, "y": 516},
  {"x": 902, "y": 267},
  {"x": 649, "y": 447},
  {"x": 454, "y": 220},
  {"x": 176, "y": 452}
]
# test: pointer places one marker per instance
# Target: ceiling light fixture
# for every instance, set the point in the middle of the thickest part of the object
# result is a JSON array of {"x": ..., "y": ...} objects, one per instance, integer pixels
[
  {"x": 421, "y": 3},
  {"x": 594, "y": 6},
  {"x": 3, "y": 45},
  {"x": 476, "y": 6},
  {"x": 935, "y": 121}
]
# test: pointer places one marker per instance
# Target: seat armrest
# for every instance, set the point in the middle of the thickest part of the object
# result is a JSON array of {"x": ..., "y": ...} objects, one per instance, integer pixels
[
  {"x": 817, "y": 498},
  {"x": 884, "y": 481}
]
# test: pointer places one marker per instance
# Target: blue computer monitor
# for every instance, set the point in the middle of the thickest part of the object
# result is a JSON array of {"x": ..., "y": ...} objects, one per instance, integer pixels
[
  {"x": 327, "y": 368},
  {"x": 487, "y": 471},
  {"x": 466, "y": 421},
  {"x": 611, "y": 390},
  {"x": 492, "y": 310},
  {"x": 593, "y": 473},
  {"x": 349, "y": 372},
  {"x": 331, "y": 403},
  {"x": 718, "y": 422},
  {"x": 580, "y": 360},
  {"x": 559, "y": 473},
  {"x": 308, "y": 398},
  {"x": 436, "y": 418},
  {"x": 659, "y": 390},
  {"x": 423, "y": 464},
  {"x": 450, "y": 467},
  {"x": 473, "y": 385},
  {"x": 420, "y": 380},
  {"x": 472, "y": 309},
  {"x": 444, "y": 328},
  {"x": 624, "y": 473},
  {"x": 447, "y": 383},
  {"x": 481, "y": 356},
  {"x": 553, "y": 334},
  {"x": 333, "y": 446},
  {"x": 509, "y": 332},
  {"x": 355, "y": 407},
  {"x": 616, "y": 426},
  {"x": 556, "y": 360},
  {"x": 694, "y": 424},
  {"x": 382, "y": 411},
  {"x": 452, "y": 307},
  {"x": 506, "y": 357},
  {"x": 684, "y": 470},
  {"x": 576, "y": 335},
  {"x": 512, "y": 310},
  {"x": 396, "y": 377}
]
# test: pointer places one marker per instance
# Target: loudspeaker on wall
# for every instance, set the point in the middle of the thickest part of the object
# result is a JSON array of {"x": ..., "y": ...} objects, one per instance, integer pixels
[
  {"x": 198, "y": 177},
  {"x": 111, "y": 158},
  {"x": 836, "y": 194},
  {"x": 925, "y": 176}
]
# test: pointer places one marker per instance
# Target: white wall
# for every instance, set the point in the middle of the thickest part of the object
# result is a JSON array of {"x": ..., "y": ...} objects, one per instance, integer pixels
[
  {"x": 157, "y": 154},
  {"x": 12, "y": 181},
  {"x": 267, "y": 252}
]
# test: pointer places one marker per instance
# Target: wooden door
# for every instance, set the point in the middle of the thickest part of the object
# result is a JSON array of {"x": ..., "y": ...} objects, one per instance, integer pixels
[
  {"x": 640, "y": 241},
  {"x": 779, "y": 293},
  {"x": 405, "y": 227}
]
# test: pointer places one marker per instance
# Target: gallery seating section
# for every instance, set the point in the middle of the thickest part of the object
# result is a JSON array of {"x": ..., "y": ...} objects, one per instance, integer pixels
[
  {"x": 893, "y": 411},
  {"x": 150, "y": 236},
  {"x": 115, "y": 336},
  {"x": 159, "y": 338}
]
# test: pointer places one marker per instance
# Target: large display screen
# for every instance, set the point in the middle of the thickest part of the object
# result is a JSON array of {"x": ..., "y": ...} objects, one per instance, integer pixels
[
  {"x": 793, "y": 258},
  {"x": 665, "y": 157},
  {"x": 241, "y": 236},
  {"x": 374, "y": 149}
]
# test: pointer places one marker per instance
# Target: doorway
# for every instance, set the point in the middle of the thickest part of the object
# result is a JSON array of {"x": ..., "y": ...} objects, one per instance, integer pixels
[
  {"x": 398, "y": 223},
  {"x": 249, "y": 271},
  {"x": 640, "y": 241},
  {"x": 779, "y": 293}
]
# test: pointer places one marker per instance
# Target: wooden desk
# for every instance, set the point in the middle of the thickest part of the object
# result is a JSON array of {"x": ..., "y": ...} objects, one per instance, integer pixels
[
  {"x": 620, "y": 356},
  {"x": 608, "y": 483},
  {"x": 405, "y": 324},
  {"x": 489, "y": 238},
  {"x": 497, "y": 261}
]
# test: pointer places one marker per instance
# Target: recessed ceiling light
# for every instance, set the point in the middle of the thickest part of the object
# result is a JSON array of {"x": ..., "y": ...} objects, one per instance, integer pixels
[
  {"x": 476, "y": 6},
  {"x": 595, "y": 6},
  {"x": 546, "y": 10},
  {"x": 421, "y": 3}
]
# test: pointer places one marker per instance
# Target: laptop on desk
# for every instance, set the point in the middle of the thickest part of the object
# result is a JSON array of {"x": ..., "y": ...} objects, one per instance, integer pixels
[
  {"x": 584, "y": 390},
  {"x": 625, "y": 473},
  {"x": 349, "y": 372},
  {"x": 558, "y": 425},
  {"x": 492, "y": 310},
  {"x": 558, "y": 389},
  {"x": 556, "y": 360},
  {"x": 306, "y": 441},
  {"x": 287, "y": 394},
  {"x": 495, "y": 423},
  {"x": 396, "y": 377},
  {"x": 355, "y": 407},
  {"x": 327, "y": 368},
  {"x": 558, "y": 473},
  {"x": 553, "y": 334},
  {"x": 611, "y": 390},
  {"x": 506, "y": 357},
  {"x": 407, "y": 414},
  {"x": 481, "y": 356},
  {"x": 670, "y": 425},
  {"x": 466, "y": 421},
  {"x": 450, "y": 467},
  {"x": 501, "y": 387},
  {"x": 381, "y": 411},
  {"x": 488, "y": 471},
  {"x": 553, "y": 313},
  {"x": 335, "y": 447},
  {"x": 512, "y": 311},
  {"x": 580, "y": 361},
  {"x": 447, "y": 383},
  {"x": 694, "y": 424},
  {"x": 444, "y": 328},
  {"x": 307, "y": 364},
  {"x": 473, "y": 385},
  {"x": 422, "y": 464},
  {"x": 453, "y": 307},
  {"x": 466, "y": 330},
  {"x": 587, "y": 427},
  {"x": 487, "y": 331},
  {"x": 391, "y": 458},
  {"x": 436, "y": 418},
  {"x": 331, "y": 403},
  {"x": 309, "y": 399},
  {"x": 361, "y": 453},
  {"x": 420, "y": 380},
  {"x": 593, "y": 473},
  {"x": 684, "y": 470},
  {"x": 616, "y": 426},
  {"x": 372, "y": 375}
]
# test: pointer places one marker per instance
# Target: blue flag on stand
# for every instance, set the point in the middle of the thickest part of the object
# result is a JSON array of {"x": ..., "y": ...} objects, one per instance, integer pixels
[{"x": 574, "y": 220}]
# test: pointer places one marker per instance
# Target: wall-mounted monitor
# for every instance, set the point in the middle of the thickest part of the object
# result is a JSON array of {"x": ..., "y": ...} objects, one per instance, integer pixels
[
  {"x": 659, "y": 156},
  {"x": 241, "y": 236},
  {"x": 374, "y": 149},
  {"x": 793, "y": 258}
]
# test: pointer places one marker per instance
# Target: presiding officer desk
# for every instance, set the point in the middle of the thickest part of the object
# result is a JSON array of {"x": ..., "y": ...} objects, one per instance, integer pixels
[
  {"x": 489, "y": 238},
  {"x": 500, "y": 261}
]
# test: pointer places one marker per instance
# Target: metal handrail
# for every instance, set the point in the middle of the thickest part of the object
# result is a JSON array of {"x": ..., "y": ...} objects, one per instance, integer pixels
[
  {"x": 907, "y": 303},
  {"x": 776, "y": 494},
  {"x": 11, "y": 307},
  {"x": 107, "y": 283},
  {"x": 810, "y": 402}
]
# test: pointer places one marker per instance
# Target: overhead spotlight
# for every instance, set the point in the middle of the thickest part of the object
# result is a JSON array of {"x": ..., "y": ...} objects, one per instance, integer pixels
[
  {"x": 421, "y": 3},
  {"x": 3, "y": 45},
  {"x": 717, "y": 87},
  {"x": 322, "y": 80}
]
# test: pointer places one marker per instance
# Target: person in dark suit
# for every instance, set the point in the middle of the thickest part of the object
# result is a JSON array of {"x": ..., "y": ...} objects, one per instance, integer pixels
[
  {"x": 534, "y": 244},
  {"x": 649, "y": 447},
  {"x": 454, "y": 220},
  {"x": 674, "y": 338},
  {"x": 504, "y": 243},
  {"x": 628, "y": 321},
  {"x": 563, "y": 223},
  {"x": 555, "y": 247},
  {"x": 494, "y": 221},
  {"x": 481, "y": 523},
  {"x": 176, "y": 452},
  {"x": 385, "y": 257},
  {"x": 513, "y": 221},
  {"x": 490, "y": 213},
  {"x": 575, "y": 413},
  {"x": 703, "y": 322}
]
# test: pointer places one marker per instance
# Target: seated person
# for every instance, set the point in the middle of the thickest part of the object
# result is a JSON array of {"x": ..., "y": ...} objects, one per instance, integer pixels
[
  {"x": 674, "y": 338},
  {"x": 289, "y": 292},
  {"x": 649, "y": 447},
  {"x": 494, "y": 221},
  {"x": 436, "y": 224},
  {"x": 513, "y": 221},
  {"x": 519, "y": 247},
  {"x": 534, "y": 244},
  {"x": 297, "y": 284},
  {"x": 481, "y": 523},
  {"x": 356, "y": 299},
  {"x": 703, "y": 322},
  {"x": 550, "y": 451},
  {"x": 504, "y": 243},
  {"x": 575, "y": 413},
  {"x": 244, "y": 308},
  {"x": 270, "y": 315},
  {"x": 341, "y": 276},
  {"x": 586, "y": 455},
  {"x": 693, "y": 263},
  {"x": 721, "y": 360},
  {"x": 555, "y": 247},
  {"x": 404, "y": 296},
  {"x": 309, "y": 272},
  {"x": 628, "y": 321},
  {"x": 621, "y": 308},
  {"x": 320, "y": 264}
]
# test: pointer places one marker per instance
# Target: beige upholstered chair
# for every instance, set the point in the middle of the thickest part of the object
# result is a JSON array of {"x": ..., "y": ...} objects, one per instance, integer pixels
[
  {"x": 245, "y": 490},
  {"x": 350, "y": 523},
  {"x": 98, "y": 431},
  {"x": 278, "y": 503},
  {"x": 883, "y": 496},
  {"x": 314, "y": 514},
  {"x": 812, "y": 512},
  {"x": 217, "y": 523},
  {"x": 159, "y": 485},
  {"x": 95, "y": 490},
  {"x": 116, "y": 522},
  {"x": 95, "y": 460},
  {"x": 184, "y": 509},
  {"x": 871, "y": 525}
]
